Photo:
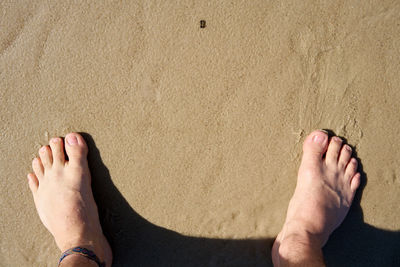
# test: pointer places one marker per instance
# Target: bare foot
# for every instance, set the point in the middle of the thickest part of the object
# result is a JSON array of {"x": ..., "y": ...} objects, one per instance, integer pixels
[
  {"x": 63, "y": 196},
  {"x": 325, "y": 190}
]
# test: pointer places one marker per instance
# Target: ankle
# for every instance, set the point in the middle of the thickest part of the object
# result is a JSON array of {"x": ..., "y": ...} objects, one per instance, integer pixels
[
  {"x": 86, "y": 253},
  {"x": 299, "y": 241},
  {"x": 79, "y": 242},
  {"x": 96, "y": 246},
  {"x": 303, "y": 232},
  {"x": 295, "y": 246},
  {"x": 296, "y": 251},
  {"x": 77, "y": 260}
]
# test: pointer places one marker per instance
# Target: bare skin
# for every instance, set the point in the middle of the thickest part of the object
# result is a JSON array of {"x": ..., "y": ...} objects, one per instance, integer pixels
[
  {"x": 325, "y": 190},
  {"x": 64, "y": 201}
]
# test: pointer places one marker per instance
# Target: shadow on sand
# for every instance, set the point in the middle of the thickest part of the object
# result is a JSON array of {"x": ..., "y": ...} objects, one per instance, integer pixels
[{"x": 137, "y": 242}]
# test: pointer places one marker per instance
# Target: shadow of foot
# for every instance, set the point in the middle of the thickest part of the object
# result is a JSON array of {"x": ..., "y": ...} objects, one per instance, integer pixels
[
  {"x": 137, "y": 242},
  {"x": 356, "y": 243}
]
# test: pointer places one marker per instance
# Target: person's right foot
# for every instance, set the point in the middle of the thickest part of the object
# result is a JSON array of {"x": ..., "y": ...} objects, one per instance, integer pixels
[
  {"x": 326, "y": 185},
  {"x": 63, "y": 197}
]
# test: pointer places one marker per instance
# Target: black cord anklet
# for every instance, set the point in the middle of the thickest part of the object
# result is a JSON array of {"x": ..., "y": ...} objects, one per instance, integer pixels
[{"x": 83, "y": 252}]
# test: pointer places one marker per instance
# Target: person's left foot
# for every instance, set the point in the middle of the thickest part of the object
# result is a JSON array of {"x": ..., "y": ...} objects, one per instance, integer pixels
[
  {"x": 326, "y": 184},
  {"x": 63, "y": 196}
]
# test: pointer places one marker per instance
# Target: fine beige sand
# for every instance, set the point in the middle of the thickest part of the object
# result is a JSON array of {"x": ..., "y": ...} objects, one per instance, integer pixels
[{"x": 195, "y": 133}]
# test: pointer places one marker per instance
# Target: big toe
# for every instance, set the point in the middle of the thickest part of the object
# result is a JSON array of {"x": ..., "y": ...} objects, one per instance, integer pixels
[
  {"x": 76, "y": 148},
  {"x": 315, "y": 145}
]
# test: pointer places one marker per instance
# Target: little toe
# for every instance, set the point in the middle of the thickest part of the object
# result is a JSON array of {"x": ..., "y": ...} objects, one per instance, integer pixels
[
  {"x": 345, "y": 155},
  {"x": 33, "y": 182},
  {"x": 38, "y": 168},
  {"x": 57, "y": 149},
  {"x": 355, "y": 182},
  {"x": 315, "y": 145},
  {"x": 46, "y": 157},
  {"x": 332, "y": 155},
  {"x": 76, "y": 148},
  {"x": 351, "y": 169}
]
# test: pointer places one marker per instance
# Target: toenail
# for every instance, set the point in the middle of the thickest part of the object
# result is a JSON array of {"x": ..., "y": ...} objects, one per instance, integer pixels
[
  {"x": 54, "y": 140},
  {"x": 348, "y": 148},
  {"x": 337, "y": 139},
  {"x": 319, "y": 138},
  {"x": 72, "y": 140},
  {"x": 43, "y": 149}
]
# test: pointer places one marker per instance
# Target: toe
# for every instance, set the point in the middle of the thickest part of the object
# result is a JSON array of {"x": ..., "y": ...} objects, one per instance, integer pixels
[
  {"x": 38, "y": 168},
  {"x": 57, "y": 150},
  {"x": 315, "y": 145},
  {"x": 351, "y": 169},
  {"x": 355, "y": 182},
  {"x": 46, "y": 156},
  {"x": 332, "y": 155},
  {"x": 33, "y": 182},
  {"x": 345, "y": 156},
  {"x": 76, "y": 148}
]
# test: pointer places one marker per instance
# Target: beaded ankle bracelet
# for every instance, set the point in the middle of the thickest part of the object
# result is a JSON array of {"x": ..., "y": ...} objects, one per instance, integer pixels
[{"x": 83, "y": 252}]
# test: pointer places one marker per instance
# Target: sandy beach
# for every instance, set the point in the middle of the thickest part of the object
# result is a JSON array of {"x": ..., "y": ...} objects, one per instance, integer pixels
[{"x": 195, "y": 134}]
